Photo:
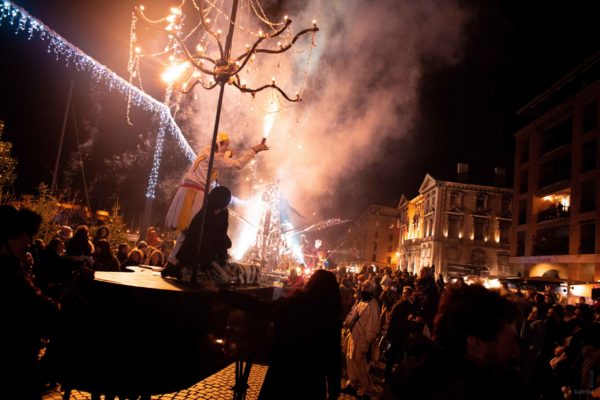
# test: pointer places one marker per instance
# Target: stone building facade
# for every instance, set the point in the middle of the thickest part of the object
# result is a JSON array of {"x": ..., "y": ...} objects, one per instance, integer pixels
[
  {"x": 373, "y": 238},
  {"x": 460, "y": 228}
]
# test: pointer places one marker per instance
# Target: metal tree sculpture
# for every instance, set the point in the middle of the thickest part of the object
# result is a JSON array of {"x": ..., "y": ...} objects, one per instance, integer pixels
[{"x": 223, "y": 69}]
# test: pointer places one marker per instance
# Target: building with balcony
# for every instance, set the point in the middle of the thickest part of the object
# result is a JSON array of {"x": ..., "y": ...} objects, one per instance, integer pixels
[
  {"x": 461, "y": 228},
  {"x": 556, "y": 180},
  {"x": 373, "y": 238}
]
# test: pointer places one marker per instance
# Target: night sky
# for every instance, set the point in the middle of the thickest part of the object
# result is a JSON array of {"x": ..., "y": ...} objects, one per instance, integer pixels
[{"x": 512, "y": 51}]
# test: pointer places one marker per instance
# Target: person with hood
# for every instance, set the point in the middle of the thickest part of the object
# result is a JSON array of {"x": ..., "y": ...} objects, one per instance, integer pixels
[
  {"x": 210, "y": 255},
  {"x": 190, "y": 194}
]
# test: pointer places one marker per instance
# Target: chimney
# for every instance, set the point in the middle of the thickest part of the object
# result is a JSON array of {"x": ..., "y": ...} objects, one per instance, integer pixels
[
  {"x": 462, "y": 171},
  {"x": 500, "y": 174}
]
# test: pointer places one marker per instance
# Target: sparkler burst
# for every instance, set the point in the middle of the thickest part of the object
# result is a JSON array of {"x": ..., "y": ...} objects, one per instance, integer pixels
[
  {"x": 254, "y": 208},
  {"x": 270, "y": 116}
]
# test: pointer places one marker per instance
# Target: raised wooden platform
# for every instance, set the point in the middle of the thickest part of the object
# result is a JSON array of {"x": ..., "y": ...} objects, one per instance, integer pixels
[
  {"x": 140, "y": 333},
  {"x": 140, "y": 278},
  {"x": 150, "y": 278}
]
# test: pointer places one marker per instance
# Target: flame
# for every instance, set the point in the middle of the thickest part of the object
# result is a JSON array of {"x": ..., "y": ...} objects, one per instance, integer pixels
[
  {"x": 272, "y": 111},
  {"x": 174, "y": 72}
]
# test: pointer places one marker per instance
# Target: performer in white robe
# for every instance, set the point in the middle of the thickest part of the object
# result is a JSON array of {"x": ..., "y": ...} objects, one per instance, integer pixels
[
  {"x": 190, "y": 194},
  {"x": 362, "y": 324}
]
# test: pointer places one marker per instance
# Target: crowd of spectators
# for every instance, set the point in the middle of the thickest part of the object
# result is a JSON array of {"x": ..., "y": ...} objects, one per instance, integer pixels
[
  {"x": 431, "y": 339},
  {"x": 436, "y": 339}
]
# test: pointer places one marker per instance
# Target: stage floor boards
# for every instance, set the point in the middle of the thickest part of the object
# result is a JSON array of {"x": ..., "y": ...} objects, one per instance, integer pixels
[
  {"x": 141, "y": 278},
  {"x": 147, "y": 278}
]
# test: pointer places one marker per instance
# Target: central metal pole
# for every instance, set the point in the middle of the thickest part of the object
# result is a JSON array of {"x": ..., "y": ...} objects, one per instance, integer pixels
[
  {"x": 60, "y": 143},
  {"x": 213, "y": 146}
]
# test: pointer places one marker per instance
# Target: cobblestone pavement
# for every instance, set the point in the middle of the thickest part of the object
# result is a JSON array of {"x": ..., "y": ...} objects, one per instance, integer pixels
[
  {"x": 376, "y": 375},
  {"x": 216, "y": 387}
]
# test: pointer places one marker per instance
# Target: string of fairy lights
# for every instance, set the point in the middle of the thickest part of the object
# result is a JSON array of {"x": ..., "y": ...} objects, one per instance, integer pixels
[
  {"x": 202, "y": 54},
  {"x": 177, "y": 52},
  {"x": 196, "y": 55},
  {"x": 24, "y": 22},
  {"x": 193, "y": 54}
]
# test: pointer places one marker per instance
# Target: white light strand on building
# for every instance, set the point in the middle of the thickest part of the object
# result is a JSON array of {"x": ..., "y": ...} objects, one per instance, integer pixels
[
  {"x": 158, "y": 148},
  {"x": 72, "y": 55}
]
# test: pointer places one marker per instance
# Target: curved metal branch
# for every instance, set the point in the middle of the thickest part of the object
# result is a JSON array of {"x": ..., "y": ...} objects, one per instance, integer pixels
[
  {"x": 285, "y": 48},
  {"x": 189, "y": 89},
  {"x": 203, "y": 57},
  {"x": 191, "y": 58},
  {"x": 288, "y": 22},
  {"x": 209, "y": 31},
  {"x": 209, "y": 87},
  {"x": 247, "y": 54},
  {"x": 272, "y": 85}
]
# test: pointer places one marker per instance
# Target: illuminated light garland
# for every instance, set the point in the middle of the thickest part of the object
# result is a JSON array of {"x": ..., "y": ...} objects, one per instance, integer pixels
[
  {"x": 72, "y": 55},
  {"x": 158, "y": 148}
]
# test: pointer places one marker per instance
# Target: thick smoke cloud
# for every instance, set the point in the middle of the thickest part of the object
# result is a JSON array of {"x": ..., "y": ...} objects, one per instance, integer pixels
[{"x": 362, "y": 89}]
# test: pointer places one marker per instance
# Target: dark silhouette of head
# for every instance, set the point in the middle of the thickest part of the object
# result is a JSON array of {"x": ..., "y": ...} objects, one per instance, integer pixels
[
  {"x": 55, "y": 245},
  {"x": 475, "y": 323},
  {"x": 323, "y": 289},
  {"x": 81, "y": 234},
  {"x": 219, "y": 198},
  {"x": 17, "y": 228},
  {"x": 16, "y": 221},
  {"x": 102, "y": 232},
  {"x": 103, "y": 248}
]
